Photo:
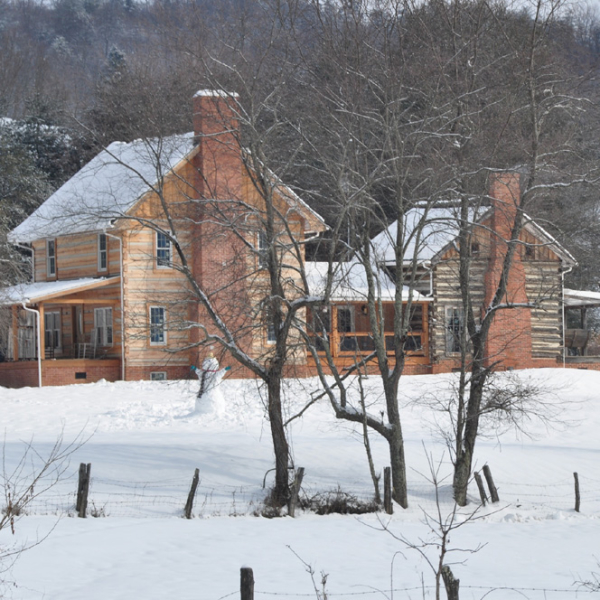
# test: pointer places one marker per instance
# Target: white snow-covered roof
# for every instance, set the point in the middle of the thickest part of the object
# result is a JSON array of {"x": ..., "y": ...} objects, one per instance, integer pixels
[
  {"x": 440, "y": 228},
  {"x": 581, "y": 298},
  {"x": 350, "y": 283},
  {"x": 110, "y": 185},
  {"x": 31, "y": 293},
  {"x": 105, "y": 189}
]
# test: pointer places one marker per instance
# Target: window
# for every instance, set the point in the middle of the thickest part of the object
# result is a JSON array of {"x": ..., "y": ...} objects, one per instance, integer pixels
[
  {"x": 454, "y": 328},
  {"x": 163, "y": 250},
  {"x": 270, "y": 325},
  {"x": 158, "y": 334},
  {"x": 102, "y": 252},
  {"x": 345, "y": 317},
  {"x": 346, "y": 326},
  {"x": 27, "y": 335},
  {"x": 271, "y": 333},
  {"x": 529, "y": 252},
  {"x": 51, "y": 258},
  {"x": 262, "y": 248},
  {"x": 321, "y": 325},
  {"x": 158, "y": 376},
  {"x": 103, "y": 326},
  {"x": 52, "y": 336}
]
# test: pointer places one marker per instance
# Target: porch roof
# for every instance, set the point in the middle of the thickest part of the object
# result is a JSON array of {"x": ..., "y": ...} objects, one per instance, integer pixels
[
  {"x": 41, "y": 291},
  {"x": 350, "y": 283},
  {"x": 581, "y": 298}
]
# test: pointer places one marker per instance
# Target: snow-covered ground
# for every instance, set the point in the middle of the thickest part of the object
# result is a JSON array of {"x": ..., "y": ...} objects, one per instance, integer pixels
[{"x": 144, "y": 442}]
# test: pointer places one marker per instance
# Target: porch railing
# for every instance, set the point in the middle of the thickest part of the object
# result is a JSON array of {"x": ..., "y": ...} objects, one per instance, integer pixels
[{"x": 344, "y": 344}]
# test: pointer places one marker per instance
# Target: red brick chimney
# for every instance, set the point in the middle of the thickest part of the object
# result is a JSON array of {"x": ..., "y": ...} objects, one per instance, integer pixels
[
  {"x": 218, "y": 173},
  {"x": 215, "y": 114},
  {"x": 509, "y": 340},
  {"x": 216, "y": 129}
]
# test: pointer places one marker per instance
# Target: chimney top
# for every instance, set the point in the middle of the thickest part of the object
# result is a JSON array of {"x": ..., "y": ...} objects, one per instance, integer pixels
[{"x": 215, "y": 93}]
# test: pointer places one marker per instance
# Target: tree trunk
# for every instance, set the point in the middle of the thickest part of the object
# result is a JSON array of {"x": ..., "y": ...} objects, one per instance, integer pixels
[
  {"x": 281, "y": 491},
  {"x": 462, "y": 472},
  {"x": 397, "y": 461},
  {"x": 464, "y": 457}
]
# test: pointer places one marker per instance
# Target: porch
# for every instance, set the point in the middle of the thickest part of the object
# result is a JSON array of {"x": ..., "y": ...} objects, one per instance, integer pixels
[
  {"x": 59, "y": 333},
  {"x": 349, "y": 337},
  {"x": 581, "y": 344}
]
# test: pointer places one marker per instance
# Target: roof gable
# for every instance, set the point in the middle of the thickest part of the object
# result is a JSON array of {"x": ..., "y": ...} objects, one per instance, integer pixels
[
  {"x": 113, "y": 183},
  {"x": 439, "y": 234},
  {"x": 105, "y": 189}
]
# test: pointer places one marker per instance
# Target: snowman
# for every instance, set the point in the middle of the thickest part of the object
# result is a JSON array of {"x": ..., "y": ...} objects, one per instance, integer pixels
[{"x": 210, "y": 376}]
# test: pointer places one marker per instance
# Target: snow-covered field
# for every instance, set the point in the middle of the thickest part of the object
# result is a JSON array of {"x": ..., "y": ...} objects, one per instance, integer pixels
[{"x": 144, "y": 442}]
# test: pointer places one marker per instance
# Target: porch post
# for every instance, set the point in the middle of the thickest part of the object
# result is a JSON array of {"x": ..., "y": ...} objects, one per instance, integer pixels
[
  {"x": 15, "y": 332},
  {"x": 584, "y": 327},
  {"x": 38, "y": 325},
  {"x": 335, "y": 336},
  {"x": 42, "y": 332},
  {"x": 425, "y": 328}
]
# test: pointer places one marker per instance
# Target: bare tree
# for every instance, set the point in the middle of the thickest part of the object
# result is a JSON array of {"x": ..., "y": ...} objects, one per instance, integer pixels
[
  {"x": 230, "y": 230},
  {"x": 23, "y": 481},
  {"x": 536, "y": 106}
]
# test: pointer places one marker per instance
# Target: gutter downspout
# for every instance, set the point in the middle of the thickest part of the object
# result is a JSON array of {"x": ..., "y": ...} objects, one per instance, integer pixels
[
  {"x": 39, "y": 339},
  {"x": 116, "y": 237},
  {"x": 564, "y": 338}
]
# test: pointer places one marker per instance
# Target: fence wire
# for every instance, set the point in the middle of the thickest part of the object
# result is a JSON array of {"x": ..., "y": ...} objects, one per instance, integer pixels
[{"x": 110, "y": 497}]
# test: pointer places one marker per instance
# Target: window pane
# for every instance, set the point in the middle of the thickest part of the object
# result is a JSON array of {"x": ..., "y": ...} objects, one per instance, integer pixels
[
  {"x": 163, "y": 250},
  {"x": 51, "y": 257},
  {"x": 102, "y": 254},
  {"x": 263, "y": 259},
  {"x": 103, "y": 326},
  {"x": 157, "y": 325},
  {"x": 454, "y": 328},
  {"x": 345, "y": 321}
]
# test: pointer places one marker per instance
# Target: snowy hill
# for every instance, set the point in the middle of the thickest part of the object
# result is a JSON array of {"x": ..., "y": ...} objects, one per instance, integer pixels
[{"x": 145, "y": 442}]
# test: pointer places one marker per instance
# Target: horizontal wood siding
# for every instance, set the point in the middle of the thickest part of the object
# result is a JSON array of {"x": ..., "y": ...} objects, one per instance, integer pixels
[
  {"x": 147, "y": 285},
  {"x": 446, "y": 294},
  {"x": 543, "y": 287},
  {"x": 77, "y": 256}
]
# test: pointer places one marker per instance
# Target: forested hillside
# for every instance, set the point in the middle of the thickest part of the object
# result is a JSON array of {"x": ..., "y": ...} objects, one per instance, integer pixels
[{"x": 411, "y": 99}]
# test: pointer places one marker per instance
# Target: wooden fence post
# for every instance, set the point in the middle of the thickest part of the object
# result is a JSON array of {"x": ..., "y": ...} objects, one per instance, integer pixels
[
  {"x": 387, "y": 491},
  {"x": 577, "y": 494},
  {"x": 481, "y": 488},
  {"x": 246, "y": 584},
  {"x": 295, "y": 491},
  {"x": 83, "y": 488},
  {"x": 488, "y": 477},
  {"x": 450, "y": 583},
  {"x": 189, "y": 505}
]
